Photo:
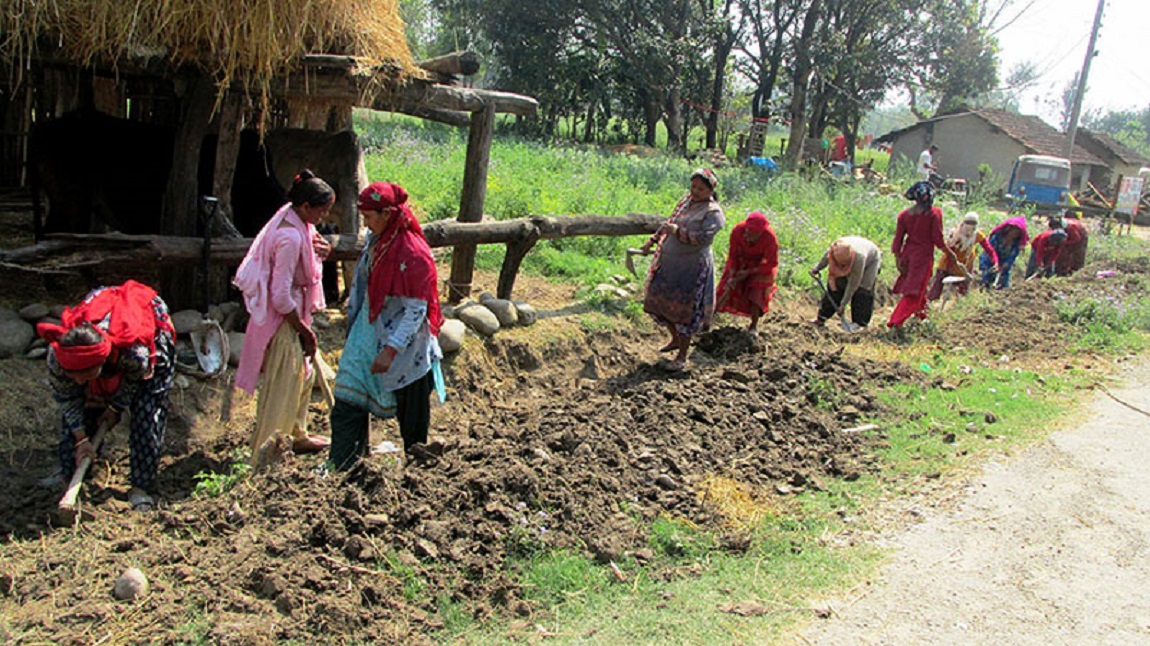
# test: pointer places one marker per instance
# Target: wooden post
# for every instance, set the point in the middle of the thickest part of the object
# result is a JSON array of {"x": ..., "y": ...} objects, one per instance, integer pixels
[
  {"x": 227, "y": 151},
  {"x": 516, "y": 252},
  {"x": 181, "y": 198},
  {"x": 472, "y": 200}
]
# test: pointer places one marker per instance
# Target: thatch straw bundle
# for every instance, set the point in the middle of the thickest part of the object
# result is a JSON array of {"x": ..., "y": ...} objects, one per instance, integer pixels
[{"x": 246, "y": 41}]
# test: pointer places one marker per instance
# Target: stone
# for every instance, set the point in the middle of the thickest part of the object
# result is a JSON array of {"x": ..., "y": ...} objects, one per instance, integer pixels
[
  {"x": 611, "y": 291},
  {"x": 504, "y": 310},
  {"x": 9, "y": 315},
  {"x": 478, "y": 318},
  {"x": 186, "y": 320},
  {"x": 57, "y": 311},
  {"x": 34, "y": 312},
  {"x": 216, "y": 313},
  {"x": 527, "y": 313},
  {"x": 131, "y": 585},
  {"x": 15, "y": 336},
  {"x": 235, "y": 348},
  {"x": 448, "y": 311},
  {"x": 486, "y": 296},
  {"x": 451, "y": 335},
  {"x": 36, "y": 353}
]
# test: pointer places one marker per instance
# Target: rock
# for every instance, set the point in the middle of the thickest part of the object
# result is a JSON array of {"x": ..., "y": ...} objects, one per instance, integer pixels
[
  {"x": 131, "y": 585},
  {"x": 990, "y": 418},
  {"x": 186, "y": 320},
  {"x": 666, "y": 482},
  {"x": 181, "y": 382},
  {"x": 36, "y": 353},
  {"x": 448, "y": 311},
  {"x": 215, "y": 313},
  {"x": 34, "y": 312},
  {"x": 486, "y": 296},
  {"x": 504, "y": 310},
  {"x": 611, "y": 291},
  {"x": 478, "y": 318},
  {"x": 230, "y": 307},
  {"x": 15, "y": 336},
  {"x": 38, "y": 343},
  {"x": 235, "y": 348},
  {"x": 9, "y": 315},
  {"x": 451, "y": 335},
  {"x": 527, "y": 313},
  {"x": 57, "y": 311}
]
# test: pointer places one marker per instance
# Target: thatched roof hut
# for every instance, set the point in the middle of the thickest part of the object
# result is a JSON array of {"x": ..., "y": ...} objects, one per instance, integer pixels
[{"x": 211, "y": 72}]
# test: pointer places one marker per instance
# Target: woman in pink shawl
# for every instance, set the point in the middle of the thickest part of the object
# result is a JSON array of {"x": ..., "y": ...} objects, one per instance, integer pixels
[
  {"x": 1008, "y": 240},
  {"x": 280, "y": 279},
  {"x": 917, "y": 235}
]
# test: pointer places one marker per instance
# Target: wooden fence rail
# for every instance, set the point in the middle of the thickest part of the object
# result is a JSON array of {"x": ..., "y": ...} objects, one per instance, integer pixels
[{"x": 68, "y": 252}]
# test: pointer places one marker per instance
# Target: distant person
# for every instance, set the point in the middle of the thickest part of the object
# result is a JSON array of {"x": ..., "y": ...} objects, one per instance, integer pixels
[
  {"x": 853, "y": 264},
  {"x": 115, "y": 352},
  {"x": 917, "y": 234},
  {"x": 680, "y": 289},
  {"x": 280, "y": 278},
  {"x": 390, "y": 362},
  {"x": 1008, "y": 240},
  {"x": 1073, "y": 255},
  {"x": 752, "y": 266},
  {"x": 927, "y": 168},
  {"x": 1044, "y": 251},
  {"x": 964, "y": 241}
]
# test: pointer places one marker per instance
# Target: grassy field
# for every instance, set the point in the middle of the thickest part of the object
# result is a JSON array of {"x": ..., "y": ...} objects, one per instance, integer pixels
[{"x": 810, "y": 546}]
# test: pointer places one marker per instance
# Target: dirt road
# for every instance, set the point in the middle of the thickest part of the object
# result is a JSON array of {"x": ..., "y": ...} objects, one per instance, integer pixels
[{"x": 1049, "y": 547}]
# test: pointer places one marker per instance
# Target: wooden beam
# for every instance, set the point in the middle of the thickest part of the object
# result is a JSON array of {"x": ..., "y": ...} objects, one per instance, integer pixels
[
  {"x": 472, "y": 200},
  {"x": 105, "y": 248},
  {"x": 451, "y": 118},
  {"x": 417, "y": 95},
  {"x": 463, "y": 63}
]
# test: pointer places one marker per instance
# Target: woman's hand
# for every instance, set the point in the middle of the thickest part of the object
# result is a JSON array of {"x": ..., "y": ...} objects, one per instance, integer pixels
[
  {"x": 383, "y": 360},
  {"x": 320, "y": 246},
  {"x": 308, "y": 340},
  {"x": 84, "y": 450}
]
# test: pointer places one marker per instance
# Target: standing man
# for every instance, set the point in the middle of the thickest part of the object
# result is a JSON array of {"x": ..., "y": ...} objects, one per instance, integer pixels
[{"x": 926, "y": 165}]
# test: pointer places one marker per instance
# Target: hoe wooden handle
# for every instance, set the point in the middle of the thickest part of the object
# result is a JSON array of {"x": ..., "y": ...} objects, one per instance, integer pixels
[{"x": 73, "y": 490}]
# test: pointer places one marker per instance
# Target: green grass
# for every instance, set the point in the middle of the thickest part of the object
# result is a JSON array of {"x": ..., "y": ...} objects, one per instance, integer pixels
[{"x": 210, "y": 484}]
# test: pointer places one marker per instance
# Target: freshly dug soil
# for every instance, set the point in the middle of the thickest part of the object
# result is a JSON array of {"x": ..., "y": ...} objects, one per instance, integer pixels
[{"x": 553, "y": 437}]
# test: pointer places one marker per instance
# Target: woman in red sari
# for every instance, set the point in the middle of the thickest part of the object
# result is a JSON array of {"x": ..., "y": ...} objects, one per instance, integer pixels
[
  {"x": 748, "y": 280},
  {"x": 917, "y": 235}
]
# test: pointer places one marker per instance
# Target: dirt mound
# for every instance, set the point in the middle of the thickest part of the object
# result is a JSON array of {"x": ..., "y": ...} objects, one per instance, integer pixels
[
  {"x": 546, "y": 446},
  {"x": 556, "y": 436}
]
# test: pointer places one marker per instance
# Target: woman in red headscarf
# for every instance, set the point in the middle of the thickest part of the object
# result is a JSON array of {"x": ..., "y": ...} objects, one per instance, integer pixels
[
  {"x": 390, "y": 363},
  {"x": 748, "y": 280},
  {"x": 115, "y": 351},
  {"x": 917, "y": 234}
]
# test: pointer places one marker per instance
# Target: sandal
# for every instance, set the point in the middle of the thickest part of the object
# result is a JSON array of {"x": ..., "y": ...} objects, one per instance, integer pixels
[
  {"x": 140, "y": 500},
  {"x": 670, "y": 346},
  {"x": 674, "y": 366}
]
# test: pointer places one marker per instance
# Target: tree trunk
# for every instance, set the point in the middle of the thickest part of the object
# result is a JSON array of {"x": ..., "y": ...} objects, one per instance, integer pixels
[
  {"x": 801, "y": 75},
  {"x": 651, "y": 113},
  {"x": 674, "y": 121}
]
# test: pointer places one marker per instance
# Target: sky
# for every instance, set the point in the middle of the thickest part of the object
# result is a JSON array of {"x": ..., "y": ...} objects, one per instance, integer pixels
[{"x": 1054, "y": 35}]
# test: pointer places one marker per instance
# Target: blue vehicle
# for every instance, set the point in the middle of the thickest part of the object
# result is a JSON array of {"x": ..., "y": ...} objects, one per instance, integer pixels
[{"x": 1041, "y": 180}]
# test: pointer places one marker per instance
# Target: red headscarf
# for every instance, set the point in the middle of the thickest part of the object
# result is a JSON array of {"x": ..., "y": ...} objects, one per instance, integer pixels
[
  {"x": 401, "y": 260},
  {"x": 131, "y": 321}
]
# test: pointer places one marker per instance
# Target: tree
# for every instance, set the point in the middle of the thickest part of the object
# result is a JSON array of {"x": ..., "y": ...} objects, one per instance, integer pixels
[
  {"x": 953, "y": 53},
  {"x": 769, "y": 23}
]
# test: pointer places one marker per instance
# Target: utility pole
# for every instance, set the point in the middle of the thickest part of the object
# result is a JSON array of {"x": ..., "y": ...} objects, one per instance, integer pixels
[{"x": 1077, "y": 109}]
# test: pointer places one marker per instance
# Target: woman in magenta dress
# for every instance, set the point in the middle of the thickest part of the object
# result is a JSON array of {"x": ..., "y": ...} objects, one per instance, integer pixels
[{"x": 917, "y": 235}]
